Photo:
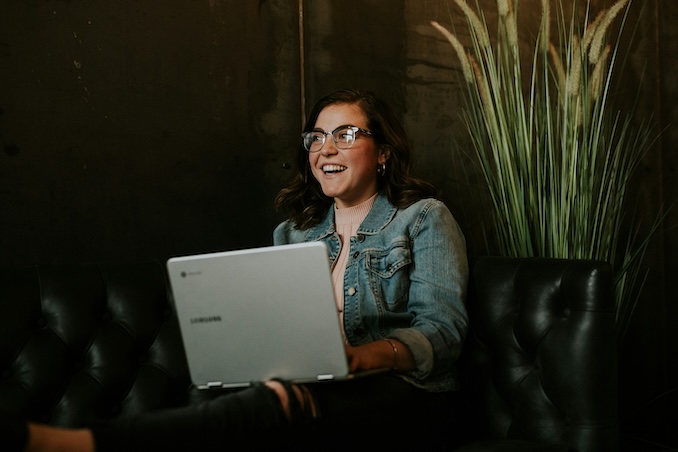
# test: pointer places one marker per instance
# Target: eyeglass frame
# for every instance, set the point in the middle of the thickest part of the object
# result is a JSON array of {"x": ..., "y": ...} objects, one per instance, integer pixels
[{"x": 354, "y": 129}]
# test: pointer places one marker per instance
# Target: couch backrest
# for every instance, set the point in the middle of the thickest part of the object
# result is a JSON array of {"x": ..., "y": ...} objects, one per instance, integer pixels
[
  {"x": 85, "y": 341},
  {"x": 542, "y": 351}
]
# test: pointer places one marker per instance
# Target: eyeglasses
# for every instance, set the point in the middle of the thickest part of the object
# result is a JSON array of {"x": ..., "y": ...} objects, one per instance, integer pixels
[{"x": 343, "y": 137}]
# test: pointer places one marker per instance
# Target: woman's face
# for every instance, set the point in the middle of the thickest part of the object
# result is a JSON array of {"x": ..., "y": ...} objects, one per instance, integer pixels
[{"x": 347, "y": 175}]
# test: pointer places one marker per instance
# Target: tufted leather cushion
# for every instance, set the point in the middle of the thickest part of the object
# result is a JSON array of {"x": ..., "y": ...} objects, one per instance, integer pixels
[
  {"x": 542, "y": 354},
  {"x": 79, "y": 342}
]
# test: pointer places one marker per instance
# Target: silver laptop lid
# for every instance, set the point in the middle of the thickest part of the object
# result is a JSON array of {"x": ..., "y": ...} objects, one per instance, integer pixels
[{"x": 254, "y": 314}]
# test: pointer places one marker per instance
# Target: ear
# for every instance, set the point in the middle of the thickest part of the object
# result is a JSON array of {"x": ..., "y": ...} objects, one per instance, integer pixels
[{"x": 384, "y": 154}]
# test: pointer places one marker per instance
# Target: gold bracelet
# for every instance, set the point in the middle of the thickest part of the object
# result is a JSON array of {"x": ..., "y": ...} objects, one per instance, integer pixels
[{"x": 395, "y": 353}]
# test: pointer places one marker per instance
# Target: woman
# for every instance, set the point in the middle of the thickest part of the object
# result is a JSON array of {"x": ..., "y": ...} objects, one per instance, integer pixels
[{"x": 399, "y": 270}]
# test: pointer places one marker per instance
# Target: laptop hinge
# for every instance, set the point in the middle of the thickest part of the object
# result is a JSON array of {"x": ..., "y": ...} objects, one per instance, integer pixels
[
  {"x": 324, "y": 377},
  {"x": 214, "y": 384}
]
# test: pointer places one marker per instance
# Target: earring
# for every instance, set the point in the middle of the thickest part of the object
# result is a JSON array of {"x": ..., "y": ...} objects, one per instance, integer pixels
[{"x": 381, "y": 169}]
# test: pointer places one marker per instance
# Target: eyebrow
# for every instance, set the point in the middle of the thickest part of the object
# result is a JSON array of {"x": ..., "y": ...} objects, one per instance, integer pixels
[{"x": 319, "y": 129}]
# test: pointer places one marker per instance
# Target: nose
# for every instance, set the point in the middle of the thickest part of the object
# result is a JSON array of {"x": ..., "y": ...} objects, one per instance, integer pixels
[{"x": 328, "y": 147}]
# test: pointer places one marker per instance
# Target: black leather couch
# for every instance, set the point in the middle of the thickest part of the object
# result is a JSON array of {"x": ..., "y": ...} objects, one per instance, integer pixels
[
  {"x": 79, "y": 342},
  {"x": 540, "y": 365}
]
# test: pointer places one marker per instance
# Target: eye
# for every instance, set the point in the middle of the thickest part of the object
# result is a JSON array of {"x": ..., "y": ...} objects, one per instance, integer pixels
[{"x": 345, "y": 135}]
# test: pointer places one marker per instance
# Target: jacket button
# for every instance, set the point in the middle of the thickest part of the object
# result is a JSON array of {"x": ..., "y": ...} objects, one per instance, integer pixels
[
  {"x": 361, "y": 238},
  {"x": 351, "y": 291}
]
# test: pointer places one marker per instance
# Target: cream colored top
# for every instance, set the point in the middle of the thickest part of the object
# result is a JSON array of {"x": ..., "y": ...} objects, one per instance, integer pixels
[{"x": 347, "y": 221}]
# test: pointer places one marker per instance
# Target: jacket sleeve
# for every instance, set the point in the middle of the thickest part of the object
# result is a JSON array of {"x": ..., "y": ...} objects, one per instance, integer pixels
[{"x": 437, "y": 292}]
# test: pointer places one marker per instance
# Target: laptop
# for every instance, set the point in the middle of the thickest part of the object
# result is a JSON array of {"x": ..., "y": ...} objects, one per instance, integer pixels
[{"x": 254, "y": 314}]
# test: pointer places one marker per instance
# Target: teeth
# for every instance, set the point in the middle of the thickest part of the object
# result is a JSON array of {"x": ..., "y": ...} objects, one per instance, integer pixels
[{"x": 333, "y": 168}]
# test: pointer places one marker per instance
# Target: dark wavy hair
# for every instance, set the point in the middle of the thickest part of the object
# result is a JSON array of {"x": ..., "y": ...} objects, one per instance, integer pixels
[{"x": 303, "y": 201}]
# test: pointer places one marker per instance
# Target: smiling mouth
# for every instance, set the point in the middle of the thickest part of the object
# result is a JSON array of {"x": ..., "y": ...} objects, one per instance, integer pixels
[{"x": 331, "y": 169}]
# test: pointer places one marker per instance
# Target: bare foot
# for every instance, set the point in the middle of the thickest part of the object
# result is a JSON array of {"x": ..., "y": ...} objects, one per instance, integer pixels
[{"x": 285, "y": 401}]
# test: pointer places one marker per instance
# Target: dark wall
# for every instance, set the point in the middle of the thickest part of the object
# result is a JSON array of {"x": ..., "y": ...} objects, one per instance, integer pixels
[
  {"x": 142, "y": 129},
  {"x": 649, "y": 351},
  {"x": 136, "y": 129}
]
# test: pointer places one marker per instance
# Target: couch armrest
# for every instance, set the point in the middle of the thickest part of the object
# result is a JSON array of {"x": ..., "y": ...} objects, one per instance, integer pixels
[
  {"x": 79, "y": 342},
  {"x": 542, "y": 353}
]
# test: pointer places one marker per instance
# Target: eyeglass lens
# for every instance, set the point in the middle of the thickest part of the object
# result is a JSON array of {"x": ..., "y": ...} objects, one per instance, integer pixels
[{"x": 343, "y": 138}]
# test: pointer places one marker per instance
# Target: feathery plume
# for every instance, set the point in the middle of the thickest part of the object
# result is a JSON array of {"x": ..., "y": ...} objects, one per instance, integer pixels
[
  {"x": 461, "y": 53},
  {"x": 597, "y": 75},
  {"x": 590, "y": 31},
  {"x": 476, "y": 25},
  {"x": 512, "y": 29},
  {"x": 597, "y": 43},
  {"x": 502, "y": 7},
  {"x": 484, "y": 92},
  {"x": 574, "y": 76}
]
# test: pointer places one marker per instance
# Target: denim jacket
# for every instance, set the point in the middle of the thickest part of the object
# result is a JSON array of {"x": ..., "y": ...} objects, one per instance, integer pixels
[{"x": 405, "y": 278}]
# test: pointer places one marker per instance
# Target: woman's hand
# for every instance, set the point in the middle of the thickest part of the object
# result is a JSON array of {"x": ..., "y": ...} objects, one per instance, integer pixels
[{"x": 380, "y": 355}]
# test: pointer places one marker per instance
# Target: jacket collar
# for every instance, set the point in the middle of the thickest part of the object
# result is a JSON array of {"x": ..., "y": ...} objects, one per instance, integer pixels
[{"x": 380, "y": 215}]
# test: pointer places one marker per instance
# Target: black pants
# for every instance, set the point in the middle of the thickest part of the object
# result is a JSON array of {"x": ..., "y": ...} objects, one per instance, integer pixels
[{"x": 374, "y": 406}]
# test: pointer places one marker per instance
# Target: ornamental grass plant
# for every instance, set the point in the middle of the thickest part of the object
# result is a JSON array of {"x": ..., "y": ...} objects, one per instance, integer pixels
[{"x": 555, "y": 154}]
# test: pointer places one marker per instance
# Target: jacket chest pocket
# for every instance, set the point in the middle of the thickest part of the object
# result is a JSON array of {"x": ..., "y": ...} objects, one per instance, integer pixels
[{"x": 389, "y": 275}]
